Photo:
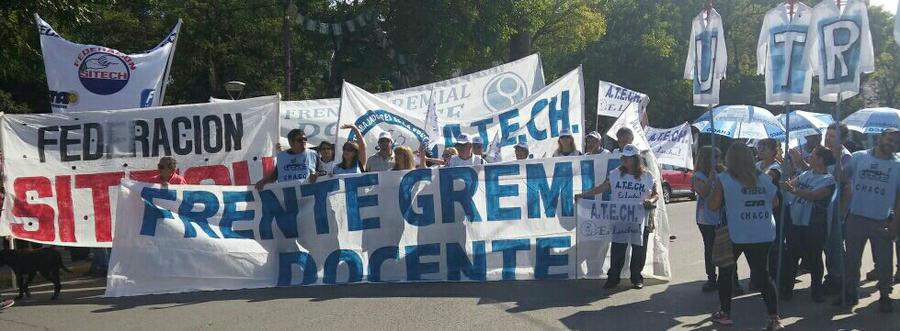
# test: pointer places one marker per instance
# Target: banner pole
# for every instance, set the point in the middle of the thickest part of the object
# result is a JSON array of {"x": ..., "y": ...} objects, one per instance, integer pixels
[
  {"x": 12, "y": 246},
  {"x": 165, "y": 82},
  {"x": 781, "y": 240},
  {"x": 839, "y": 188}
]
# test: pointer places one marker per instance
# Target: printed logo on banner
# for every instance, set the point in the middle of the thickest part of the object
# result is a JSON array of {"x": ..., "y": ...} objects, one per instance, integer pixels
[
  {"x": 61, "y": 100},
  {"x": 504, "y": 91},
  {"x": 373, "y": 118},
  {"x": 147, "y": 97},
  {"x": 104, "y": 71}
]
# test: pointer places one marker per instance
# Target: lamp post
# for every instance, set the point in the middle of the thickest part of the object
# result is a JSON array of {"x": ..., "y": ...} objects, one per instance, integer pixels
[{"x": 236, "y": 87}]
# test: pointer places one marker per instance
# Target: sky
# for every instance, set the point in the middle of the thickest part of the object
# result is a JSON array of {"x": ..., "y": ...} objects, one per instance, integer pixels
[{"x": 888, "y": 5}]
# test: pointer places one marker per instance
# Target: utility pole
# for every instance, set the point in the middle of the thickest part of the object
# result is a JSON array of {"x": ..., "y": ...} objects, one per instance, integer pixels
[{"x": 289, "y": 11}]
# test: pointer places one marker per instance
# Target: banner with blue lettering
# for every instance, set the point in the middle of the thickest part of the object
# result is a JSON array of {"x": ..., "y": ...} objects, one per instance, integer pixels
[
  {"x": 608, "y": 221},
  {"x": 475, "y": 95},
  {"x": 612, "y": 100},
  {"x": 504, "y": 221},
  {"x": 60, "y": 168},
  {"x": 672, "y": 146},
  {"x": 88, "y": 77},
  {"x": 538, "y": 120}
]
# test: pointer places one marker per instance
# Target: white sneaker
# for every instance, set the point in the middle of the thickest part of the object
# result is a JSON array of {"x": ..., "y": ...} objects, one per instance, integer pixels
[{"x": 7, "y": 303}]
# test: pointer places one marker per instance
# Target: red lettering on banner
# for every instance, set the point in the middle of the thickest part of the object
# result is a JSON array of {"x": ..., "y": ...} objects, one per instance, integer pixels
[
  {"x": 241, "y": 173},
  {"x": 99, "y": 185},
  {"x": 268, "y": 163},
  {"x": 64, "y": 205},
  {"x": 218, "y": 173},
  {"x": 45, "y": 215},
  {"x": 145, "y": 176}
]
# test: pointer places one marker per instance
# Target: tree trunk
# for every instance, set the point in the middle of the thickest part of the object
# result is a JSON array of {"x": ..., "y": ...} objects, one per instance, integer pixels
[{"x": 519, "y": 45}]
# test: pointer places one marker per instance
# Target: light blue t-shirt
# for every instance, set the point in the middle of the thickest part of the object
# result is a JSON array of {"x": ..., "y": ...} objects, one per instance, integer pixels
[
  {"x": 338, "y": 170},
  {"x": 833, "y": 204},
  {"x": 801, "y": 209},
  {"x": 704, "y": 215},
  {"x": 874, "y": 184},
  {"x": 749, "y": 210},
  {"x": 297, "y": 167}
]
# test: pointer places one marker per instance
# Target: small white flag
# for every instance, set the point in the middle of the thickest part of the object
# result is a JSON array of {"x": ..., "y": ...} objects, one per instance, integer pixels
[
  {"x": 630, "y": 119},
  {"x": 431, "y": 122},
  {"x": 493, "y": 151}
]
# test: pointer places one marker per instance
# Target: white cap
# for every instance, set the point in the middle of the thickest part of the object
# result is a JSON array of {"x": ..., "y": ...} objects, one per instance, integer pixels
[
  {"x": 463, "y": 139},
  {"x": 595, "y": 135},
  {"x": 630, "y": 150},
  {"x": 522, "y": 144},
  {"x": 477, "y": 140},
  {"x": 565, "y": 132},
  {"x": 385, "y": 135}
]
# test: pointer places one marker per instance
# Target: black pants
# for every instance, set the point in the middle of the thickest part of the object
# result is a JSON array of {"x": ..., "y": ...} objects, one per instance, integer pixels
[
  {"x": 708, "y": 232},
  {"x": 757, "y": 257},
  {"x": 807, "y": 243},
  {"x": 638, "y": 259}
]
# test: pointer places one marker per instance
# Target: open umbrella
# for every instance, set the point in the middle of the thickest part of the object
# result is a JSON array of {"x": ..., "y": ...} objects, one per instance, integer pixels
[
  {"x": 741, "y": 122},
  {"x": 873, "y": 120},
  {"x": 803, "y": 124}
]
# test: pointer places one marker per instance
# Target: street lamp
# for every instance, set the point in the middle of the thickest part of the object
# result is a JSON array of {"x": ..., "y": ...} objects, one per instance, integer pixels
[{"x": 236, "y": 87}]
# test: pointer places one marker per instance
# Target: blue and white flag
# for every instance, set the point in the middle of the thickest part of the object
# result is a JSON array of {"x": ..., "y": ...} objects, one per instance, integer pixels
[
  {"x": 672, "y": 146},
  {"x": 781, "y": 54},
  {"x": 89, "y": 77},
  {"x": 707, "y": 57},
  {"x": 493, "y": 150}
]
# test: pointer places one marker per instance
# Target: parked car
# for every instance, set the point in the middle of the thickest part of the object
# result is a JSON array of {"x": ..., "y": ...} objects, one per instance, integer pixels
[{"x": 676, "y": 182}]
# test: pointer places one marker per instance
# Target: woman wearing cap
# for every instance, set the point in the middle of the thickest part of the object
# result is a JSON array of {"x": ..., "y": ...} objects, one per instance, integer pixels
[
  {"x": 384, "y": 159},
  {"x": 747, "y": 195},
  {"x": 566, "y": 144},
  {"x": 465, "y": 158},
  {"x": 630, "y": 184},
  {"x": 353, "y": 157},
  {"x": 522, "y": 151},
  {"x": 294, "y": 164}
]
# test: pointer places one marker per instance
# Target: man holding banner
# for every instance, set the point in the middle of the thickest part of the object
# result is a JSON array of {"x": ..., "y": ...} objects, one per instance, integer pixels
[{"x": 295, "y": 164}]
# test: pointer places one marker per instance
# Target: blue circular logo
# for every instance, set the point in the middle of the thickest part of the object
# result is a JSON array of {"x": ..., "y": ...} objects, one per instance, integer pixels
[
  {"x": 504, "y": 91},
  {"x": 104, "y": 73}
]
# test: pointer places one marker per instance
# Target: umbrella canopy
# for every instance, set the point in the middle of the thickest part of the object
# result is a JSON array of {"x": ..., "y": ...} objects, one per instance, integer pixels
[
  {"x": 741, "y": 122},
  {"x": 873, "y": 120}
]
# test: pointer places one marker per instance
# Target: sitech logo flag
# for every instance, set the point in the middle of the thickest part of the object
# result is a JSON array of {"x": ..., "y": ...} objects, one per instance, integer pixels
[
  {"x": 60, "y": 101},
  {"x": 504, "y": 91},
  {"x": 104, "y": 70},
  {"x": 147, "y": 97}
]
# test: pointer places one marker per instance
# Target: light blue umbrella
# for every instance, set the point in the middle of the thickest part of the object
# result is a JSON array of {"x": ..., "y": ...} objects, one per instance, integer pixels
[
  {"x": 873, "y": 120},
  {"x": 741, "y": 122},
  {"x": 804, "y": 123}
]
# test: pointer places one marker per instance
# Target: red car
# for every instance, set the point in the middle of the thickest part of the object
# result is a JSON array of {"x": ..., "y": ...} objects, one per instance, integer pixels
[{"x": 676, "y": 182}]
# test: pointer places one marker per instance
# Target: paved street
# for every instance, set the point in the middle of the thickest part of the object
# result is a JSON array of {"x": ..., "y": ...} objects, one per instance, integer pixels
[{"x": 574, "y": 304}]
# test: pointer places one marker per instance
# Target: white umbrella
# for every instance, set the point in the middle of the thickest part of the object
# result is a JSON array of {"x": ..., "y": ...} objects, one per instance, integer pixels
[
  {"x": 741, "y": 122},
  {"x": 873, "y": 120}
]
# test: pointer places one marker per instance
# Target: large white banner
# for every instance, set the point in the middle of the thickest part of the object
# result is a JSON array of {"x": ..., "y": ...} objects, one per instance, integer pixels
[
  {"x": 672, "y": 146},
  {"x": 475, "y": 95},
  {"x": 504, "y": 221},
  {"x": 89, "y": 77},
  {"x": 538, "y": 120},
  {"x": 60, "y": 168}
]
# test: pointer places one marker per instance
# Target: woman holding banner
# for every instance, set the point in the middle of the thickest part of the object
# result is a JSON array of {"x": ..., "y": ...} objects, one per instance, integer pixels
[
  {"x": 353, "y": 157},
  {"x": 748, "y": 196},
  {"x": 629, "y": 184},
  {"x": 707, "y": 220},
  {"x": 404, "y": 159},
  {"x": 566, "y": 144}
]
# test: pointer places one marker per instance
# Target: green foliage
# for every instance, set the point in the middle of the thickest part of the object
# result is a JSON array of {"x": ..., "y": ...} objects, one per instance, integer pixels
[{"x": 640, "y": 44}]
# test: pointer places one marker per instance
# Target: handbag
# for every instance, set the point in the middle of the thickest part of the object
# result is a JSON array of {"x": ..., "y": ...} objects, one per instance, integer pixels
[{"x": 723, "y": 250}]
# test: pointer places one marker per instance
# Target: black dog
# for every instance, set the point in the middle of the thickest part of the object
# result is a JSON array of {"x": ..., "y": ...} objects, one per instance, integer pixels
[{"x": 28, "y": 262}]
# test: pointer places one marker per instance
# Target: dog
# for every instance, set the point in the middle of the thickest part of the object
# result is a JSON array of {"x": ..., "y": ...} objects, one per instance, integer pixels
[{"x": 26, "y": 263}]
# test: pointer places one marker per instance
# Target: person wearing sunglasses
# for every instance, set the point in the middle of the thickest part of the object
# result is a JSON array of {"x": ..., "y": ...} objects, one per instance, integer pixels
[{"x": 297, "y": 163}]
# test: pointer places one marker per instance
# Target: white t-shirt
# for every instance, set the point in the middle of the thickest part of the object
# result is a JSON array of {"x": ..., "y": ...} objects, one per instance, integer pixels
[
  {"x": 626, "y": 188},
  {"x": 456, "y": 161}
]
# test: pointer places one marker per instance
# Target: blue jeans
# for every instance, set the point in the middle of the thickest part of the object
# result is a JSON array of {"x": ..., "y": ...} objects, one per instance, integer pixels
[{"x": 834, "y": 251}]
